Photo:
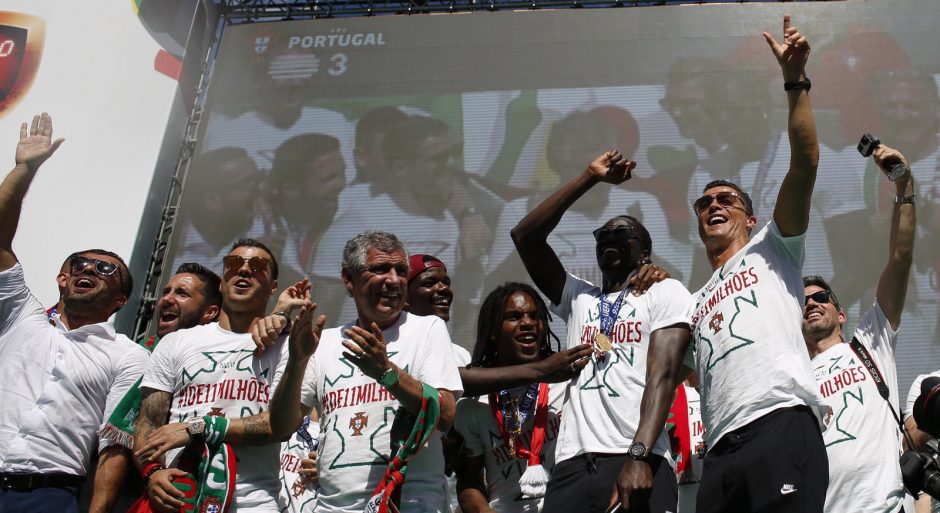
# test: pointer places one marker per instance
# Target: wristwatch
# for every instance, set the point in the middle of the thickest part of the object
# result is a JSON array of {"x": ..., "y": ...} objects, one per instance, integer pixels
[
  {"x": 196, "y": 427},
  {"x": 638, "y": 451},
  {"x": 286, "y": 317},
  {"x": 389, "y": 377}
]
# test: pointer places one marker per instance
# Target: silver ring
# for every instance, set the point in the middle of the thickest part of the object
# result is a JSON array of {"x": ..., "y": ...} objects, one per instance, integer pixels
[{"x": 573, "y": 367}]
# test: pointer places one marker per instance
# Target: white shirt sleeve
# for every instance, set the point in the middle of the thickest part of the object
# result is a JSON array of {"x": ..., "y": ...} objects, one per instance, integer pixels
[
  {"x": 282, "y": 348},
  {"x": 791, "y": 248},
  {"x": 308, "y": 388},
  {"x": 15, "y": 298},
  {"x": 669, "y": 304},
  {"x": 574, "y": 286},
  {"x": 162, "y": 368},
  {"x": 436, "y": 366},
  {"x": 129, "y": 369}
]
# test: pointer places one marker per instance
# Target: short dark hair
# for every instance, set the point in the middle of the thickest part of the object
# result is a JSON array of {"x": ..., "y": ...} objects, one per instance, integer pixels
[
  {"x": 377, "y": 122},
  {"x": 210, "y": 281},
  {"x": 254, "y": 243},
  {"x": 401, "y": 140},
  {"x": 492, "y": 313},
  {"x": 127, "y": 281},
  {"x": 820, "y": 282},
  {"x": 748, "y": 204},
  {"x": 295, "y": 153}
]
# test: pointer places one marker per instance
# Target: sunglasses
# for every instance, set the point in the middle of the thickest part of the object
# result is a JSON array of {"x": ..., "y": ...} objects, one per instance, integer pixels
[
  {"x": 257, "y": 264},
  {"x": 620, "y": 232},
  {"x": 819, "y": 297},
  {"x": 79, "y": 263},
  {"x": 725, "y": 199}
]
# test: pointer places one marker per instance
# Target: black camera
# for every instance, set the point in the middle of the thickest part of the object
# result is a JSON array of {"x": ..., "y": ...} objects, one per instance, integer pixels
[
  {"x": 921, "y": 470},
  {"x": 868, "y": 144}
]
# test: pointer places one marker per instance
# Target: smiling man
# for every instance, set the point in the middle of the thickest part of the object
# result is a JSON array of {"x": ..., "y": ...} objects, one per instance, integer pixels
[
  {"x": 863, "y": 440},
  {"x": 208, "y": 375},
  {"x": 63, "y": 379},
  {"x": 371, "y": 379},
  {"x": 604, "y": 450},
  {"x": 516, "y": 429},
  {"x": 757, "y": 388}
]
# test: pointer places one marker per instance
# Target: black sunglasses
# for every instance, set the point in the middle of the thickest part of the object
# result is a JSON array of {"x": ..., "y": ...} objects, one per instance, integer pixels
[
  {"x": 725, "y": 199},
  {"x": 257, "y": 264},
  {"x": 620, "y": 232},
  {"x": 79, "y": 263},
  {"x": 819, "y": 297}
]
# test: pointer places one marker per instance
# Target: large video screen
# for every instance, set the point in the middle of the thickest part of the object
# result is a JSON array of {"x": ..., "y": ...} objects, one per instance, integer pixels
[{"x": 448, "y": 129}]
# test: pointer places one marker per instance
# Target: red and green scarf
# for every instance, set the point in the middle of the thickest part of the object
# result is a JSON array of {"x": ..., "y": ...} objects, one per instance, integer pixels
[{"x": 387, "y": 495}]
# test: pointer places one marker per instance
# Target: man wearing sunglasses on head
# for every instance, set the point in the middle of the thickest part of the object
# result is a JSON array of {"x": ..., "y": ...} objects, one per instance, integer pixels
[
  {"x": 204, "y": 377},
  {"x": 765, "y": 450},
  {"x": 62, "y": 379},
  {"x": 605, "y": 454},
  {"x": 863, "y": 440}
]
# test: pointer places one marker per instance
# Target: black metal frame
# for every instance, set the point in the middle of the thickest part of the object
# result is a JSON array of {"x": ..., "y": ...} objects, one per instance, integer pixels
[{"x": 247, "y": 11}]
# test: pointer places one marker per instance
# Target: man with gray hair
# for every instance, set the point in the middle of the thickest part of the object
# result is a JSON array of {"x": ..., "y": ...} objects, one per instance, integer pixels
[{"x": 375, "y": 379}]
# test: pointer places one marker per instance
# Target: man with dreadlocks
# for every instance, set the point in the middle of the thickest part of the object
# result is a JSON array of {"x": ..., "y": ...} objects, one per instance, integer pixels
[
  {"x": 512, "y": 436},
  {"x": 605, "y": 453}
]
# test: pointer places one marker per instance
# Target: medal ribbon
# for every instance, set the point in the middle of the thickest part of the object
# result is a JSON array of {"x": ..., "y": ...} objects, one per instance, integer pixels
[
  {"x": 538, "y": 431},
  {"x": 610, "y": 312}
]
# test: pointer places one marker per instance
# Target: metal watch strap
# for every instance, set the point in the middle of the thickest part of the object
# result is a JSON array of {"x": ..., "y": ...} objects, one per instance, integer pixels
[{"x": 905, "y": 199}]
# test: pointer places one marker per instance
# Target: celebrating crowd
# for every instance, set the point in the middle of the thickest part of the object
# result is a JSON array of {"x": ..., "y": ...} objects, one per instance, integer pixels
[{"x": 235, "y": 406}]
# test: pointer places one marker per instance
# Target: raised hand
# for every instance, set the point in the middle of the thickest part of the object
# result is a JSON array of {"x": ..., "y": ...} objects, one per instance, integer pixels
[
  {"x": 612, "y": 167},
  {"x": 646, "y": 276},
  {"x": 565, "y": 365},
  {"x": 305, "y": 334},
  {"x": 366, "y": 350},
  {"x": 792, "y": 53},
  {"x": 36, "y": 144},
  {"x": 293, "y": 297}
]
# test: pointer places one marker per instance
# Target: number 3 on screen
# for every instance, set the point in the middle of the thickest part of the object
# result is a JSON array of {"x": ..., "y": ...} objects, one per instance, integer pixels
[{"x": 338, "y": 64}]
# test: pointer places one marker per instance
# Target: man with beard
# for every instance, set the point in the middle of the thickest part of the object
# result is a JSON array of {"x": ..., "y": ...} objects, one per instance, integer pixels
[
  {"x": 765, "y": 450},
  {"x": 62, "y": 379},
  {"x": 201, "y": 377},
  {"x": 189, "y": 299},
  {"x": 637, "y": 340},
  {"x": 371, "y": 379},
  {"x": 863, "y": 440}
]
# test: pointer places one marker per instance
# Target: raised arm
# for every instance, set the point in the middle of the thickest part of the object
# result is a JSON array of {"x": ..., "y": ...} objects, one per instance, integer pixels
[
  {"x": 35, "y": 146},
  {"x": 664, "y": 373},
  {"x": 892, "y": 286},
  {"x": 286, "y": 409},
  {"x": 791, "y": 212},
  {"x": 531, "y": 234}
]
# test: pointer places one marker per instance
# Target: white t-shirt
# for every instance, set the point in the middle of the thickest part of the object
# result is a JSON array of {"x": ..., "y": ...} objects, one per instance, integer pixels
[
  {"x": 747, "y": 337},
  {"x": 60, "y": 385},
  {"x": 603, "y": 408},
  {"x": 213, "y": 371},
  {"x": 475, "y": 422},
  {"x": 862, "y": 438},
  {"x": 356, "y": 416},
  {"x": 297, "y": 495}
]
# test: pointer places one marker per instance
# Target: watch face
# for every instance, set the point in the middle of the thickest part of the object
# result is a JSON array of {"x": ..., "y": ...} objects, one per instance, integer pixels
[
  {"x": 196, "y": 426},
  {"x": 638, "y": 450}
]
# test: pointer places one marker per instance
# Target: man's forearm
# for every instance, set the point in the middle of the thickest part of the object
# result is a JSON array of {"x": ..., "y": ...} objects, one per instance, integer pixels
[
  {"x": 12, "y": 191},
  {"x": 113, "y": 463},
  {"x": 409, "y": 392},
  {"x": 479, "y": 381},
  {"x": 664, "y": 370},
  {"x": 284, "y": 414},
  {"x": 154, "y": 410},
  {"x": 253, "y": 430},
  {"x": 540, "y": 222}
]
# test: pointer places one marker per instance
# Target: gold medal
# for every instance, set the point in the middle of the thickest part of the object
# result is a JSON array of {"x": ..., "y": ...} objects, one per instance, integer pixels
[{"x": 602, "y": 342}]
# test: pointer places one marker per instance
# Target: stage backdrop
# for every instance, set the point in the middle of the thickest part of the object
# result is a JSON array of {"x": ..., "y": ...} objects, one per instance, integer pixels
[
  {"x": 96, "y": 75},
  {"x": 448, "y": 129}
]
